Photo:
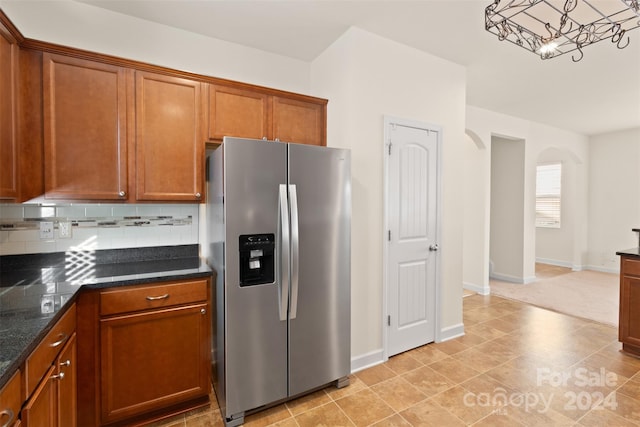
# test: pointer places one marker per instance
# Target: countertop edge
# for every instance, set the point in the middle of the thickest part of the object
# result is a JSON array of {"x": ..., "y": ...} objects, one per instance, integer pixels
[{"x": 634, "y": 252}]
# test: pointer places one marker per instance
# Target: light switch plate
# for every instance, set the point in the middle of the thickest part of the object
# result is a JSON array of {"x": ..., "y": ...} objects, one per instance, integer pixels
[{"x": 46, "y": 230}]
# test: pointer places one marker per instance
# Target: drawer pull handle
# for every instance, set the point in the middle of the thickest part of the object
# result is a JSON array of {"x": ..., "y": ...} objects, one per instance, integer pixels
[
  {"x": 165, "y": 296},
  {"x": 66, "y": 363},
  {"x": 9, "y": 413},
  {"x": 58, "y": 377},
  {"x": 63, "y": 338}
]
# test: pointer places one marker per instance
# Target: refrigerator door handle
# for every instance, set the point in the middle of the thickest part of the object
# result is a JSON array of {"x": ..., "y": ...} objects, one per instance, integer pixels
[
  {"x": 283, "y": 253},
  {"x": 295, "y": 253}
]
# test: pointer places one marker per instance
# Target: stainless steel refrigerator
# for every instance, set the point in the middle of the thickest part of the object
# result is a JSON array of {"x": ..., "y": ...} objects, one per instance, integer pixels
[{"x": 279, "y": 219}]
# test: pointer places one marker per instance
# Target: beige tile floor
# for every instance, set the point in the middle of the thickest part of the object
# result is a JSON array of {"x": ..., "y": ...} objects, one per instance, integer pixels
[{"x": 517, "y": 365}]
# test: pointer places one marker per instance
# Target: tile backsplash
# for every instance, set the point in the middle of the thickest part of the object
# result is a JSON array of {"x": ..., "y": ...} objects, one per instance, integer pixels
[{"x": 96, "y": 226}]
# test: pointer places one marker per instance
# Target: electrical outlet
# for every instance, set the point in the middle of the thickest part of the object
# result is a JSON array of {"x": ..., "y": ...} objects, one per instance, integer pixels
[
  {"x": 64, "y": 230},
  {"x": 46, "y": 230}
]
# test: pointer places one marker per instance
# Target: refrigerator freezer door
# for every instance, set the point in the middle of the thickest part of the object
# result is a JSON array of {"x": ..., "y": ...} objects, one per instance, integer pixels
[
  {"x": 319, "y": 335},
  {"x": 256, "y": 338}
]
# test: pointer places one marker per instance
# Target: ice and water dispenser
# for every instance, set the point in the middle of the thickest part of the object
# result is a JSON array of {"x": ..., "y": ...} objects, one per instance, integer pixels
[{"x": 257, "y": 259}]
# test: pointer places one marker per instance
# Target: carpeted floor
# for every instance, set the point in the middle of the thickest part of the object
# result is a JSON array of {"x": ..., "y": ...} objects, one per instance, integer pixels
[{"x": 587, "y": 294}]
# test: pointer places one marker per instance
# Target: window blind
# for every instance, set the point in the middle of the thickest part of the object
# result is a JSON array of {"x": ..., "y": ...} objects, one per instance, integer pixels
[{"x": 548, "y": 192}]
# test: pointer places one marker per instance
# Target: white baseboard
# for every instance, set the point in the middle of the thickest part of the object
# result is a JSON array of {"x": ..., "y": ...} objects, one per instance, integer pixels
[
  {"x": 603, "y": 269},
  {"x": 451, "y": 332},
  {"x": 367, "y": 360},
  {"x": 512, "y": 279},
  {"x": 482, "y": 290},
  {"x": 376, "y": 357},
  {"x": 558, "y": 263}
]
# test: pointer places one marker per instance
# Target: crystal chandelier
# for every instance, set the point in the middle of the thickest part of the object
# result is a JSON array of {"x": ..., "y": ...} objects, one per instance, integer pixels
[{"x": 552, "y": 28}]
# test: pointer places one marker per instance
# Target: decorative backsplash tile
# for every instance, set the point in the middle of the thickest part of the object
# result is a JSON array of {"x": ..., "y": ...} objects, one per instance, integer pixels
[{"x": 96, "y": 226}]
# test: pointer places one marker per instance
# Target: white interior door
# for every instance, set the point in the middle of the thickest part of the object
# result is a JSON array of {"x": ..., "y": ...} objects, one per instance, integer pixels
[{"x": 412, "y": 246}]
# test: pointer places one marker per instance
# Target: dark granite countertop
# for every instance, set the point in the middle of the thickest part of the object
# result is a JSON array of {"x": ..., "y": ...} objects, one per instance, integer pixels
[
  {"x": 36, "y": 289},
  {"x": 630, "y": 252}
]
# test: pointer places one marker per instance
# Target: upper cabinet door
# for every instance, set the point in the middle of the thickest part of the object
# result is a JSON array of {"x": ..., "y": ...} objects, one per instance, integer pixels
[
  {"x": 169, "y": 138},
  {"x": 85, "y": 142},
  {"x": 237, "y": 112},
  {"x": 8, "y": 140},
  {"x": 298, "y": 121}
]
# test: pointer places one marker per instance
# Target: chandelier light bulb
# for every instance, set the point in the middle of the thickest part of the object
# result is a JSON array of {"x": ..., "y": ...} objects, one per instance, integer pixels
[{"x": 548, "y": 48}]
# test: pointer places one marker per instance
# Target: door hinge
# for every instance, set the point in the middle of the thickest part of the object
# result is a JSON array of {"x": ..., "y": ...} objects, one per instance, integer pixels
[
  {"x": 388, "y": 320},
  {"x": 389, "y": 236},
  {"x": 389, "y": 145}
]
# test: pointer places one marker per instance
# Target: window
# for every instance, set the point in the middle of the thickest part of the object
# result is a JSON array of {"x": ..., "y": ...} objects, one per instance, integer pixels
[{"x": 548, "y": 183}]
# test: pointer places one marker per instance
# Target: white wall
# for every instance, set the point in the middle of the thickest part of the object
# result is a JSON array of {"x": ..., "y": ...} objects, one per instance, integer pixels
[
  {"x": 507, "y": 209},
  {"x": 91, "y": 28},
  {"x": 614, "y": 197},
  {"x": 475, "y": 272},
  {"x": 484, "y": 124},
  {"x": 366, "y": 77}
]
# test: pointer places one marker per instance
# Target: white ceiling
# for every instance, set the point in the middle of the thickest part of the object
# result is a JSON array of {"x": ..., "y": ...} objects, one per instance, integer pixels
[{"x": 599, "y": 94}]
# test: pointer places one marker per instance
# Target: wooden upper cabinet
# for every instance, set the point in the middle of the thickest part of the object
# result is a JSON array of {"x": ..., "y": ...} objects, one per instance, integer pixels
[
  {"x": 245, "y": 113},
  {"x": 8, "y": 140},
  {"x": 238, "y": 112},
  {"x": 299, "y": 121},
  {"x": 85, "y": 122},
  {"x": 169, "y": 138}
]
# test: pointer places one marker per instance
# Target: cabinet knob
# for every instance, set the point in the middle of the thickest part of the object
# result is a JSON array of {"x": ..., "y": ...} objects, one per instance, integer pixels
[
  {"x": 66, "y": 363},
  {"x": 203, "y": 311},
  {"x": 122, "y": 193},
  {"x": 58, "y": 377},
  {"x": 198, "y": 195}
]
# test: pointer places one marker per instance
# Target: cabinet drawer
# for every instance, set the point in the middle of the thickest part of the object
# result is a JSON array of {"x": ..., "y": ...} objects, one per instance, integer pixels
[
  {"x": 149, "y": 297},
  {"x": 42, "y": 357},
  {"x": 631, "y": 266},
  {"x": 10, "y": 400}
]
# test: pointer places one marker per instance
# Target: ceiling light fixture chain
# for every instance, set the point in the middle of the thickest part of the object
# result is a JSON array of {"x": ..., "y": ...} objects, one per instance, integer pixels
[{"x": 552, "y": 28}]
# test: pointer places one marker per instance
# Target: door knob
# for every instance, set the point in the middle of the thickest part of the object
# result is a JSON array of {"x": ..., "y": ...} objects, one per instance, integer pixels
[{"x": 434, "y": 247}]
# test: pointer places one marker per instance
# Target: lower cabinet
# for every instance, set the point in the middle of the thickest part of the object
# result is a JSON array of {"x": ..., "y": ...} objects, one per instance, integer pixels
[
  {"x": 150, "y": 350},
  {"x": 67, "y": 385},
  {"x": 121, "y": 356},
  {"x": 40, "y": 409},
  {"x": 153, "y": 360},
  {"x": 629, "y": 321},
  {"x": 53, "y": 402},
  {"x": 10, "y": 401}
]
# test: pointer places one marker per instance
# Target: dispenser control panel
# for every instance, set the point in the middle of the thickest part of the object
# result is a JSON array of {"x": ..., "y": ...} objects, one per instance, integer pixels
[{"x": 257, "y": 260}]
